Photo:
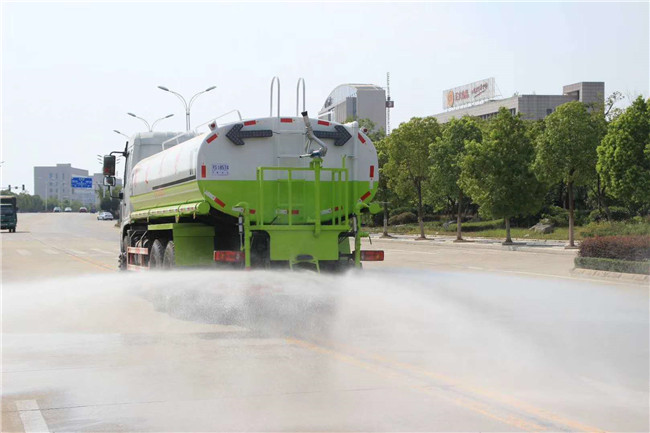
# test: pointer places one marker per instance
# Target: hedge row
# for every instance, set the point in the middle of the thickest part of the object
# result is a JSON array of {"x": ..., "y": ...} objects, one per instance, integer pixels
[
  {"x": 633, "y": 248},
  {"x": 613, "y": 265},
  {"x": 615, "y": 229}
]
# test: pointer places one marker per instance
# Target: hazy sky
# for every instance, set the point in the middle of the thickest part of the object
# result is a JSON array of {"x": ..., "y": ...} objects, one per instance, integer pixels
[{"x": 71, "y": 71}]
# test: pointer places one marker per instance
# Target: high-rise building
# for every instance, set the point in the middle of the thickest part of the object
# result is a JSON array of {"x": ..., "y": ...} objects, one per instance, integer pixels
[
  {"x": 356, "y": 101},
  {"x": 56, "y": 182}
]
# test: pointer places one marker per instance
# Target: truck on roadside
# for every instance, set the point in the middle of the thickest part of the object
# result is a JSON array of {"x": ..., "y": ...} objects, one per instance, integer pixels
[
  {"x": 8, "y": 213},
  {"x": 271, "y": 192}
]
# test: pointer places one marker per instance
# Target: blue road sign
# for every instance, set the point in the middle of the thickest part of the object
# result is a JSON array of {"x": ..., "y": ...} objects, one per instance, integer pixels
[{"x": 81, "y": 182}]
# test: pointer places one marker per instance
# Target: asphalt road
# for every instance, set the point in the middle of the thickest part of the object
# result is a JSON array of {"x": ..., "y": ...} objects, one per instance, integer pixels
[{"x": 440, "y": 337}]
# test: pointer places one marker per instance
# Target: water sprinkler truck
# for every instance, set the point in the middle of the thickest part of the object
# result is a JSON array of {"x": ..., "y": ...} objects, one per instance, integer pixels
[{"x": 272, "y": 192}]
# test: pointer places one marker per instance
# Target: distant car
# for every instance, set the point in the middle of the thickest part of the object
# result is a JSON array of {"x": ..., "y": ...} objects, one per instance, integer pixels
[
  {"x": 56, "y": 209},
  {"x": 68, "y": 209},
  {"x": 83, "y": 210},
  {"x": 105, "y": 216}
]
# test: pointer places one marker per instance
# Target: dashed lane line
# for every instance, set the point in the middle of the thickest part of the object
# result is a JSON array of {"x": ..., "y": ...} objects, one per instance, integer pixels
[
  {"x": 23, "y": 252},
  {"x": 31, "y": 416}
]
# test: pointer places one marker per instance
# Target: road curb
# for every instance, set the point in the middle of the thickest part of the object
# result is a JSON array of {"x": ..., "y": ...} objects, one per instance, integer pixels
[{"x": 638, "y": 278}]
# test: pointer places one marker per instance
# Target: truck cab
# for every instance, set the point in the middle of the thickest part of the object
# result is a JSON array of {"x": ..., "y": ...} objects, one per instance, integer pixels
[{"x": 8, "y": 213}]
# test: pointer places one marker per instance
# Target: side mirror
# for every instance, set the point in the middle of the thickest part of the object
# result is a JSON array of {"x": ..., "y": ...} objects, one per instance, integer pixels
[
  {"x": 375, "y": 208},
  {"x": 109, "y": 165},
  {"x": 109, "y": 181}
]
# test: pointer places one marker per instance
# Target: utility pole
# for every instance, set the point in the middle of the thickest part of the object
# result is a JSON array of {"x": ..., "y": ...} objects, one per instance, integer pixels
[{"x": 389, "y": 103}]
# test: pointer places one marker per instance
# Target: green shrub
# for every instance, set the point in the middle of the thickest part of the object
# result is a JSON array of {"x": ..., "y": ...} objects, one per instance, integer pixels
[
  {"x": 596, "y": 216},
  {"x": 612, "y": 265},
  {"x": 557, "y": 216},
  {"x": 619, "y": 213},
  {"x": 615, "y": 229},
  {"x": 403, "y": 218},
  {"x": 633, "y": 248}
]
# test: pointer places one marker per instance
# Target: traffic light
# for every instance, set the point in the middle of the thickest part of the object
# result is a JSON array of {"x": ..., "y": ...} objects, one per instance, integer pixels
[
  {"x": 23, "y": 187},
  {"x": 9, "y": 188}
]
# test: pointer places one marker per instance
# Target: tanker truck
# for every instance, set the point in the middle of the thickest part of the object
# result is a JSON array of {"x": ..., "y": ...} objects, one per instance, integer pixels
[{"x": 272, "y": 192}]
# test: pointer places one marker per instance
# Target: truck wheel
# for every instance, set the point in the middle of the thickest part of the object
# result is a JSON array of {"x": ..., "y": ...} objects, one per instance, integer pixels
[
  {"x": 156, "y": 255},
  {"x": 169, "y": 258}
]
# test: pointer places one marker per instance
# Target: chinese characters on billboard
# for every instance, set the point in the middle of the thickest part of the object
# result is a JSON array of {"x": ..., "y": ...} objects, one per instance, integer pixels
[{"x": 469, "y": 93}]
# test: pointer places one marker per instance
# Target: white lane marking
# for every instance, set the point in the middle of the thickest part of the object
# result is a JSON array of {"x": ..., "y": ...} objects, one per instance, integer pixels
[
  {"x": 23, "y": 252},
  {"x": 101, "y": 251},
  {"x": 49, "y": 251},
  {"x": 31, "y": 416},
  {"x": 77, "y": 252}
]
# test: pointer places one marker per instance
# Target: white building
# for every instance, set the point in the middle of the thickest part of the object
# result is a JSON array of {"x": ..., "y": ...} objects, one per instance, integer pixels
[
  {"x": 356, "y": 101},
  {"x": 55, "y": 182}
]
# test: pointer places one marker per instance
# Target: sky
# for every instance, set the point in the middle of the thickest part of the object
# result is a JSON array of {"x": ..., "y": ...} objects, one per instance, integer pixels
[{"x": 71, "y": 71}]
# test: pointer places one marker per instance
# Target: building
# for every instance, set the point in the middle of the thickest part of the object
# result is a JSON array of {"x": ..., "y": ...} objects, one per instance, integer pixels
[
  {"x": 56, "y": 182},
  {"x": 531, "y": 107},
  {"x": 356, "y": 101}
]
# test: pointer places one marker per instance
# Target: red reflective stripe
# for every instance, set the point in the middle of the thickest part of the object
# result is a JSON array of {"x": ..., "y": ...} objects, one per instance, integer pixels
[
  {"x": 252, "y": 211},
  {"x": 211, "y": 138},
  {"x": 322, "y": 122},
  {"x": 372, "y": 171},
  {"x": 219, "y": 202},
  {"x": 365, "y": 196},
  {"x": 286, "y": 120},
  {"x": 361, "y": 139},
  {"x": 336, "y": 208},
  {"x": 295, "y": 212},
  {"x": 203, "y": 171},
  {"x": 249, "y": 123}
]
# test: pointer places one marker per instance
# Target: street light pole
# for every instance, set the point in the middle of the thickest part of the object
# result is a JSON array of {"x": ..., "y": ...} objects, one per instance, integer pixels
[
  {"x": 138, "y": 117},
  {"x": 185, "y": 104},
  {"x": 153, "y": 125},
  {"x": 147, "y": 123},
  {"x": 118, "y": 132}
]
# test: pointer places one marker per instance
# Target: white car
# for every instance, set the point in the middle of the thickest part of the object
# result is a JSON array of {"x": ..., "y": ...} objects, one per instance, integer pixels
[
  {"x": 105, "y": 216},
  {"x": 68, "y": 209}
]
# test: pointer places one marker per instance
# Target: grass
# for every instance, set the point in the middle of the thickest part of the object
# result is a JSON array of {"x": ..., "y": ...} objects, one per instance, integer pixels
[
  {"x": 496, "y": 229},
  {"x": 435, "y": 228}
]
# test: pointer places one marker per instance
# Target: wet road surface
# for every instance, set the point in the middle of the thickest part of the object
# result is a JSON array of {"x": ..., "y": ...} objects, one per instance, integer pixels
[{"x": 438, "y": 348}]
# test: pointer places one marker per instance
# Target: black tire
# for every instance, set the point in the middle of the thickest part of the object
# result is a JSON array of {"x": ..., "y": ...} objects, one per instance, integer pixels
[
  {"x": 156, "y": 255},
  {"x": 169, "y": 258}
]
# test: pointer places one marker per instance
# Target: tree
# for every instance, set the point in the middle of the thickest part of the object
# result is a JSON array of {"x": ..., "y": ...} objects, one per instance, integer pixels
[
  {"x": 408, "y": 160},
  {"x": 566, "y": 151},
  {"x": 446, "y": 154},
  {"x": 29, "y": 203},
  {"x": 384, "y": 194},
  {"x": 497, "y": 172},
  {"x": 624, "y": 156},
  {"x": 375, "y": 134}
]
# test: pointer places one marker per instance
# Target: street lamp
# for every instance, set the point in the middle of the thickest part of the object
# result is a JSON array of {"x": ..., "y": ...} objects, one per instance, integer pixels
[
  {"x": 145, "y": 122},
  {"x": 153, "y": 125},
  {"x": 118, "y": 132},
  {"x": 185, "y": 104}
]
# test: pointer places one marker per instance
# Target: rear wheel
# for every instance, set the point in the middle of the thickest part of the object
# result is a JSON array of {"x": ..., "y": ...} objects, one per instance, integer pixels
[
  {"x": 169, "y": 258},
  {"x": 156, "y": 255}
]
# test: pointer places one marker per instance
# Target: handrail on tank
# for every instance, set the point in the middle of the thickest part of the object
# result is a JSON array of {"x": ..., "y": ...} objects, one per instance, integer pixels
[
  {"x": 219, "y": 117},
  {"x": 339, "y": 179},
  {"x": 298, "y": 95},
  {"x": 271, "y": 104},
  {"x": 190, "y": 134}
]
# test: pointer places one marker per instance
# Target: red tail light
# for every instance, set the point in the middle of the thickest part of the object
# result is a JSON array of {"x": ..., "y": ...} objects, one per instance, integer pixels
[
  {"x": 372, "y": 256},
  {"x": 229, "y": 256}
]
